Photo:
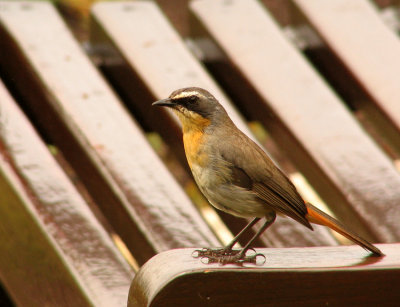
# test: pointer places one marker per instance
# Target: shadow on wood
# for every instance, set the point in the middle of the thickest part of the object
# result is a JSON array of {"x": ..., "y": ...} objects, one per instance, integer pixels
[{"x": 317, "y": 276}]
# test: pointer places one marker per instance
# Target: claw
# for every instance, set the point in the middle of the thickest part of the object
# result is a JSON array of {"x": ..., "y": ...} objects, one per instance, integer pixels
[
  {"x": 198, "y": 253},
  {"x": 222, "y": 256},
  {"x": 254, "y": 259},
  {"x": 217, "y": 252},
  {"x": 252, "y": 249}
]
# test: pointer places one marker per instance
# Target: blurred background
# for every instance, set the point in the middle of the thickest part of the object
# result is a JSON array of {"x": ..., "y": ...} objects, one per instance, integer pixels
[{"x": 131, "y": 204}]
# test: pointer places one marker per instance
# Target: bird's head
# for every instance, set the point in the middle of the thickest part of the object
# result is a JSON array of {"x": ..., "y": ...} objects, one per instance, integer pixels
[{"x": 195, "y": 107}]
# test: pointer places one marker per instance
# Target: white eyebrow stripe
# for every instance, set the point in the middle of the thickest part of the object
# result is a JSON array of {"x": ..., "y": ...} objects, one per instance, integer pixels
[{"x": 186, "y": 94}]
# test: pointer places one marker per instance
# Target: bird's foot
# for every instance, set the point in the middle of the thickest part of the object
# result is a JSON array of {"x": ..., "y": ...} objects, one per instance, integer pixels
[
  {"x": 214, "y": 252},
  {"x": 228, "y": 256}
]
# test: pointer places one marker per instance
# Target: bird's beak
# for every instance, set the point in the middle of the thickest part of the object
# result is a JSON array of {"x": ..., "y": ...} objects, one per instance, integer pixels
[{"x": 164, "y": 103}]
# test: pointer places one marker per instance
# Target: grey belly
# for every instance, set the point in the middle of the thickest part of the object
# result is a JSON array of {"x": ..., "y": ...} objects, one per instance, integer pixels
[{"x": 229, "y": 198}]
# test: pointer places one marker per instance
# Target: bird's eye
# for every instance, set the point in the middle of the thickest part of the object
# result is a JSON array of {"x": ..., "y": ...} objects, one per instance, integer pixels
[{"x": 192, "y": 99}]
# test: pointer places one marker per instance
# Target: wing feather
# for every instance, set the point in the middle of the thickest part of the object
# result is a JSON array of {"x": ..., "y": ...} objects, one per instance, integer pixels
[{"x": 252, "y": 169}]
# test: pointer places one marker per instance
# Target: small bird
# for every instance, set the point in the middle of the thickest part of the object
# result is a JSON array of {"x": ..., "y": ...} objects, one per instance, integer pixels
[{"x": 237, "y": 176}]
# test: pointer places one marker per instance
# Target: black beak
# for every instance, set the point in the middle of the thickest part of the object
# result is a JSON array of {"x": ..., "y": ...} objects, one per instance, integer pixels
[{"x": 164, "y": 103}]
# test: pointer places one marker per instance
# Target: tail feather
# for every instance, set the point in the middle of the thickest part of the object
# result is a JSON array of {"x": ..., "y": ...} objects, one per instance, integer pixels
[{"x": 316, "y": 216}]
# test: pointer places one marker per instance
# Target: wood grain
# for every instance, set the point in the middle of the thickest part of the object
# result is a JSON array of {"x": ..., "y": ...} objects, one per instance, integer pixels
[
  {"x": 82, "y": 115},
  {"x": 332, "y": 276},
  {"x": 159, "y": 58},
  {"x": 368, "y": 49},
  {"x": 307, "y": 118},
  {"x": 53, "y": 250}
]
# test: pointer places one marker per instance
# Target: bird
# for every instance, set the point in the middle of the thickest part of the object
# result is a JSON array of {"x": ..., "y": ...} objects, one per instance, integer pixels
[{"x": 238, "y": 177}]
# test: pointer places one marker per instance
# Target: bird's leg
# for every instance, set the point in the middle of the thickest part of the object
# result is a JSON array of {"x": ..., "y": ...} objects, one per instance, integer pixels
[
  {"x": 227, "y": 250},
  {"x": 241, "y": 256}
]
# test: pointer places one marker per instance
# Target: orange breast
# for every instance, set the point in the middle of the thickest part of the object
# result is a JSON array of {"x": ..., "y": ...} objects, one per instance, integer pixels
[
  {"x": 193, "y": 139},
  {"x": 193, "y": 142}
]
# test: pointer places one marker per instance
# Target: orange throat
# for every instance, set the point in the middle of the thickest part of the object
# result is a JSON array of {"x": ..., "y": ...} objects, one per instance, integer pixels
[{"x": 193, "y": 137}]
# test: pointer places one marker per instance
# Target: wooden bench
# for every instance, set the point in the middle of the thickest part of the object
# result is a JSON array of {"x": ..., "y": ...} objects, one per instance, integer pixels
[
  {"x": 365, "y": 47},
  {"x": 81, "y": 114},
  {"x": 78, "y": 111},
  {"x": 305, "y": 115},
  {"x": 174, "y": 67},
  {"x": 60, "y": 219},
  {"x": 53, "y": 250},
  {"x": 290, "y": 277}
]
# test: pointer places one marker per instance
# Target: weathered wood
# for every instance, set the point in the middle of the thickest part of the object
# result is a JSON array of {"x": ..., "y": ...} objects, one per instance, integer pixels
[
  {"x": 81, "y": 114},
  {"x": 368, "y": 49},
  {"x": 157, "y": 58},
  {"x": 327, "y": 144},
  {"x": 53, "y": 251},
  {"x": 317, "y": 276},
  {"x": 5, "y": 299}
]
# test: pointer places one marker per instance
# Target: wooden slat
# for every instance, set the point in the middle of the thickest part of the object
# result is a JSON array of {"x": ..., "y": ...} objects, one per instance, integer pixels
[
  {"x": 156, "y": 55},
  {"x": 309, "y": 120},
  {"x": 329, "y": 276},
  {"x": 79, "y": 111},
  {"x": 369, "y": 50},
  {"x": 158, "y": 59},
  {"x": 53, "y": 251}
]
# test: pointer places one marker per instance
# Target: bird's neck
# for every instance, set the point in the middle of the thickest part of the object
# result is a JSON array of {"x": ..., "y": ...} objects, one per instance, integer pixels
[{"x": 193, "y": 138}]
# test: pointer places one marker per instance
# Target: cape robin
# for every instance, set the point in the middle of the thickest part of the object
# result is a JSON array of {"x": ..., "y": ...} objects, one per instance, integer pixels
[{"x": 237, "y": 176}]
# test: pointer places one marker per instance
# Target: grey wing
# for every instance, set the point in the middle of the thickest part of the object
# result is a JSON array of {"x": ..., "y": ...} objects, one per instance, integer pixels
[{"x": 252, "y": 169}]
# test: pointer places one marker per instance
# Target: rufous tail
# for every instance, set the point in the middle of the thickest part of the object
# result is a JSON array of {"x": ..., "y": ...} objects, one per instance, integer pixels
[{"x": 316, "y": 216}]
